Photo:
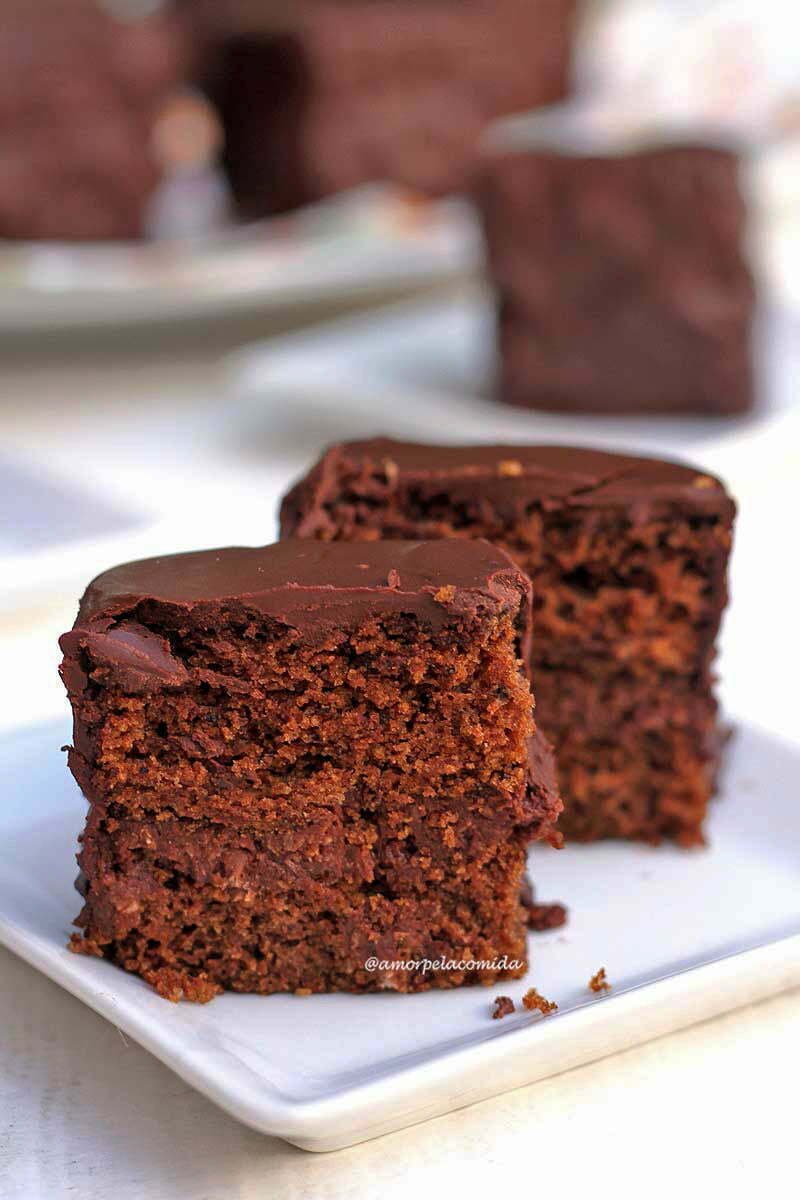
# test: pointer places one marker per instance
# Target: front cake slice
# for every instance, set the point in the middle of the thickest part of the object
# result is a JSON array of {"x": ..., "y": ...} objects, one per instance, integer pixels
[
  {"x": 305, "y": 760},
  {"x": 628, "y": 561}
]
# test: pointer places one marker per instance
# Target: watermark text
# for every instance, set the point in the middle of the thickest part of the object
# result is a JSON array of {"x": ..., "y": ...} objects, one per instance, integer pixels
[{"x": 427, "y": 965}]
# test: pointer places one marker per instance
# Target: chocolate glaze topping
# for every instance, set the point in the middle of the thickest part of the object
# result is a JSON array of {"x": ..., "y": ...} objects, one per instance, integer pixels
[
  {"x": 307, "y": 585},
  {"x": 137, "y": 657},
  {"x": 310, "y": 586},
  {"x": 507, "y": 475},
  {"x": 301, "y": 581}
]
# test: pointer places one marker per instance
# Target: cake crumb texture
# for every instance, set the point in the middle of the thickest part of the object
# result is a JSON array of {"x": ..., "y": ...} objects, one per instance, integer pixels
[
  {"x": 599, "y": 982},
  {"x": 627, "y": 558},
  {"x": 533, "y": 1001},
  {"x": 294, "y": 768}
]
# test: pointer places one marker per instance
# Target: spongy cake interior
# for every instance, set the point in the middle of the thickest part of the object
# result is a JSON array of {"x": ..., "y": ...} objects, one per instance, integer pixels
[{"x": 283, "y": 806}]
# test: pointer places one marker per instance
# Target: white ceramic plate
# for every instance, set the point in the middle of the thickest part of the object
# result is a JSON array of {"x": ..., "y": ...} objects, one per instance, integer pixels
[
  {"x": 683, "y": 936},
  {"x": 366, "y": 243}
]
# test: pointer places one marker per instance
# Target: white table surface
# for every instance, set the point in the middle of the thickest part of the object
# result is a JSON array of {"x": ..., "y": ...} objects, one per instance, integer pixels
[
  {"x": 85, "y": 1112},
  {"x": 708, "y": 1112}
]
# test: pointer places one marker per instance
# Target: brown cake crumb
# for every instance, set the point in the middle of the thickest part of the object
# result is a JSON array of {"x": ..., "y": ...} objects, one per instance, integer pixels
[
  {"x": 503, "y": 1007},
  {"x": 541, "y": 917},
  {"x": 177, "y": 985},
  {"x": 444, "y": 594},
  {"x": 83, "y": 945},
  {"x": 598, "y": 982},
  {"x": 533, "y": 1000}
]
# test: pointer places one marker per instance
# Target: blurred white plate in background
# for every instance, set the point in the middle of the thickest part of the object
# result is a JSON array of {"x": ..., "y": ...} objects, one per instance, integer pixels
[{"x": 365, "y": 243}]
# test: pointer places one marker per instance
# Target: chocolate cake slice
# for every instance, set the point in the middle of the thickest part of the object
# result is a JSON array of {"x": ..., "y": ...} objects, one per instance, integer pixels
[
  {"x": 387, "y": 90},
  {"x": 313, "y": 98},
  {"x": 628, "y": 561},
  {"x": 621, "y": 278},
  {"x": 82, "y": 87},
  {"x": 303, "y": 758}
]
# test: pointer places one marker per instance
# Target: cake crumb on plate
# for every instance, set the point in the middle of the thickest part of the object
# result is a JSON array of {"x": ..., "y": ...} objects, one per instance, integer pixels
[
  {"x": 533, "y": 1000},
  {"x": 599, "y": 982},
  {"x": 503, "y": 1007}
]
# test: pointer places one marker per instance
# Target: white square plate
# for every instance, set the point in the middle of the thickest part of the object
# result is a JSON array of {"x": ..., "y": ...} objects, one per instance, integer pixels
[
  {"x": 683, "y": 936},
  {"x": 366, "y": 243}
]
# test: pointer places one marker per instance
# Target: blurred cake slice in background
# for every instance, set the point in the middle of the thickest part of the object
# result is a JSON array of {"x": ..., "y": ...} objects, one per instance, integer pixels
[
  {"x": 365, "y": 90},
  {"x": 81, "y": 88},
  {"x": 620, "y": 271},
  {"x": 310, "y": 102}
]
